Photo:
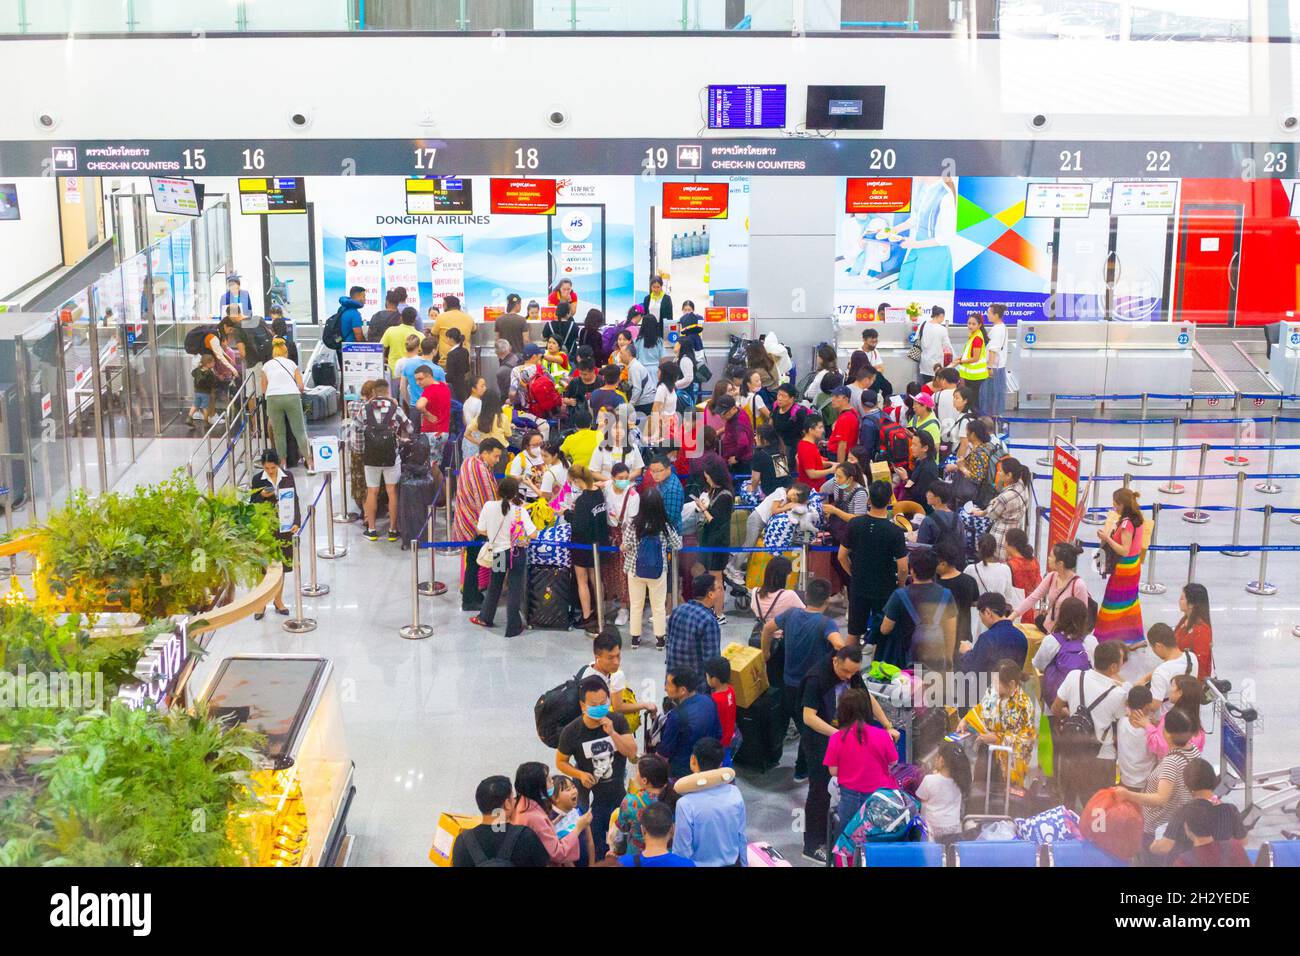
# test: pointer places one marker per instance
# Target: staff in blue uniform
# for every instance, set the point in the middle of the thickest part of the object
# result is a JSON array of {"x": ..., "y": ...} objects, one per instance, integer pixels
[{"x": 236, "y": 296}]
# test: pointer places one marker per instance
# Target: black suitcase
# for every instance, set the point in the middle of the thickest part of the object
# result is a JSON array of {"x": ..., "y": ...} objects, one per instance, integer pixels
[
  {"x": 325, "y": 373},
  {"x": 414, "y": 492},
  {"x": 549, "y": 593},
  {"x": 762, "y": 728}
]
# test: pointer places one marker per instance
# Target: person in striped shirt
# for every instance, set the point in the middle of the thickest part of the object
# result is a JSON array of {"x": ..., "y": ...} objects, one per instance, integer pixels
[{"x": 475, "y": 486}]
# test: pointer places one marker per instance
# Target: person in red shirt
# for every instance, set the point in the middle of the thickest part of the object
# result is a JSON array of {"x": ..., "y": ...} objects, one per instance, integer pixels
[
  {"x": 812, "y": 467},
  {"x": 844, "y": 433},
  {"x": 564, "y": 293},
  {"x": 434, "y": 408},
  {"x": 717, "y": 670},
  {"x": 1200, "y": 822},
  {"x": 1193, "y": 632}
]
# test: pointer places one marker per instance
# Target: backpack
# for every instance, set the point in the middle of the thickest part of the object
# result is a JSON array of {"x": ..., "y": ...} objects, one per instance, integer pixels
[
  {"x": 1077, "y": 735},
  {"x": 987, "y": 488},
  {"x": 259, "y": 342},
  {"x": 502, "y": 855},
  {"x": 556, "y": 709},
  {"x": 609, "y": 336},
  {"x": 331, "y": 335},
  {"x": 702, "y": 372},
  {"x": 195, "y": 337},
  {"x": 543, "y": 397},
  {"x": 379, "y": 439},
  {"x": 650, "y": 557},
  {"x": 1070, "y": 656},
  {"x": 895, "y": 444}
]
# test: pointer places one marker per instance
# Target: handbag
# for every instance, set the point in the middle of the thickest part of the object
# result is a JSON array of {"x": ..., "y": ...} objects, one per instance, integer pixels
[{"x": 914, "y": 352}]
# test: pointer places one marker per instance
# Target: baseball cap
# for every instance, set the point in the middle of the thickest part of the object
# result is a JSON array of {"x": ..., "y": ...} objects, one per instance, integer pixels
[
  {"x": 925, "y": 399},
  {"x": 532, "y": 349},
  {"x": 870, "y": 398},
  {"x": 842, "y": 391}
]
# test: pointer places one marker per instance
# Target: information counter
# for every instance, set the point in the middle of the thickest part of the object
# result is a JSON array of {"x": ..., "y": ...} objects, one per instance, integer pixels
[
  {"x": 1096, "y": 358},
  {"x": 1284, "y": 362}
]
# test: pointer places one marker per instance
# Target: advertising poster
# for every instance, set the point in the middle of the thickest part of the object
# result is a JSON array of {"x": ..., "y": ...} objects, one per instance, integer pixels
[
  {"x": 1065, "y": 496},
  {"x": 447, "y": 267},
  {"x": 877, "y": 195},
  {"x": 401, "y": 268},
  {"x": 361, "y": 266},
  {"x": 362, "y": 361},
  {"x": 1001, "y": 255},
  {"x": 695, "y": 200},
  {"x": 530, "y": 197}
]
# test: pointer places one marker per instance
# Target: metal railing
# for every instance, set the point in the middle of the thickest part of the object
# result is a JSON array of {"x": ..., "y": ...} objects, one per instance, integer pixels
[{"x": 226, "y": 456}]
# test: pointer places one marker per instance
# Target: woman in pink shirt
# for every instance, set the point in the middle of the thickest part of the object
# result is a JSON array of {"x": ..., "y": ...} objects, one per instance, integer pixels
[
  {"x": 533, "y": 810},
  {"x": 859, "y": 754},
  {"x": 1186, "y": 694}
]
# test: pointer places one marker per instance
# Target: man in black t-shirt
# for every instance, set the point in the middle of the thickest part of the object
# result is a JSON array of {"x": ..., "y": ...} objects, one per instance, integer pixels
[
  {"x": 594, "y": 750},
  {"x": 385, "y": 318},
  {"x": 581, "y": 385},
  {"x": 495, "y": 841},
  {"x": 787, "y": 419},
  {"x": 875, "y": 559}
]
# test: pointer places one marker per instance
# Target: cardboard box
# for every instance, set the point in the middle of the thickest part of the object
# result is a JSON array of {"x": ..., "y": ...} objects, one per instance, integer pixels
[
  {"x": 748, "y": 672},
  {"x": 1035, "y": 638},
  {"x": 450, "y": 826},
  {"x": 880, "y": 472}
]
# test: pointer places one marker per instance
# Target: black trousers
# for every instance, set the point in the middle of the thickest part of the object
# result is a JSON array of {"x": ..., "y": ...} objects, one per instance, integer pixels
[
  {"x": 794, "y": 712},
  {"x": 471, "y": 596},
  {"x": 513, "y": 575},
  {"x": 817, "y": 805}
]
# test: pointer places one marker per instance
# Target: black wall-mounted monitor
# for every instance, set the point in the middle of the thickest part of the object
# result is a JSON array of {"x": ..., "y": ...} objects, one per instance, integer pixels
[
  {"x": 174, "y": 196},
  {"x": 846, "y": 107}
]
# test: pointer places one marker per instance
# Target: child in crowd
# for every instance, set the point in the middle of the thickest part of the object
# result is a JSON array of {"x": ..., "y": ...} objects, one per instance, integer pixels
[
  {"x": 205, "y": 389},
  {"x": 1025, "y": 572},
  {"x": 565, "y": 814},
  {"x": 652, "y": 778},
  {"x": 1010, "y": 720},
  {"x": 1165, "y": 791},
  {"x": 1136, "y": 761},
  {"x": 1187, "y": 695},
  {"x": 942, "y": 792},
  {"x": 717, "y": 671}
]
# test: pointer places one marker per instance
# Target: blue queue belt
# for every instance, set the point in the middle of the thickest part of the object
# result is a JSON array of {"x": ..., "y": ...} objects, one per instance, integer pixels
[
  {"x": 1144, "y": 477},
  {"x": 1184, "y": 397},
  {"x": 1033, "y": 446},
  {"x": 1281, "y": 419},
  {"x": 610, "y": 549}
]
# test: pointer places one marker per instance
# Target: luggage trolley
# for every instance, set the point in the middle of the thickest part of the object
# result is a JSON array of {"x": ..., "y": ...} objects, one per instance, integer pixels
[{"x": 1262, "y": 791}]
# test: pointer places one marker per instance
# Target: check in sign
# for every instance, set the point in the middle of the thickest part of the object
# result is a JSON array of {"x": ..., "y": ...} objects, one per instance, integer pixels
[
  {"x": 1065, "y": 496},
  {"x": 325, "y": 453}
]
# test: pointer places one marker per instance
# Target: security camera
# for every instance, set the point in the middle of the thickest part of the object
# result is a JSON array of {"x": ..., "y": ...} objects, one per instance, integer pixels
[
  {"x": 1289, "y": 122},
  {"x": 299, "y": 119},
  {"x": 1038, "y": 122},
  {"x": 557, "y": 116},
  {"x": 45, "y": 120}
]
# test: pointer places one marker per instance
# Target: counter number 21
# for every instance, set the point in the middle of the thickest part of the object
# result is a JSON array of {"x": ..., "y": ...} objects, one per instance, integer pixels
[{"x": 1071, "y": 160}]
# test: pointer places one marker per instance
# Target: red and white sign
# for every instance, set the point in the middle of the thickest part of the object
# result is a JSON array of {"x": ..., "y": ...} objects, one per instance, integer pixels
[
  {"x": 864, "y": 314},
  {"x": 715, "y": 313},
  {"x": 695, "y": 200},
  {"x": 877, "y": 195},
  {"x": 738, "y": 314},
  {"x": 1065, "y": 496},
  {"x": 527, "y": 197}
]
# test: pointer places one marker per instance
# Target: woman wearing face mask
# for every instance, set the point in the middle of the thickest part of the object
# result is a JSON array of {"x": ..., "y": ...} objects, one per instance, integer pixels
[
  {"x": 265, "y": 488},
  {"x": 844, "y": 497},
  {"x": 555, "y": 488},
  {"x": 529, "y": 466},
  {"x": 621, "y": 505},
  {"x": 616, "y": 450}
]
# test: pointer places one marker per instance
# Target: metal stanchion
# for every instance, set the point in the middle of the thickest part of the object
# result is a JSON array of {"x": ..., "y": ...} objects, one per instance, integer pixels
[
  {"x": 1237, "y": 459},
  {"x": 674, "y": 581},
  {"x": 313, "y": 588},
  {"x": 298, "y": 624},
  {"x": 1038, "y": 530},
  {"x": 1268, "y": 486},
  {"x": 1196, "y": 515},
  {"x": 1236, "y": 517},
  {"x": 1192, "y": 552},
  {"x": 1091, "y": 515},
  {"x": 1046, "y": 460},
  {"x": 1139, "y": 459},
  {"x": 330, "y": 551},
  {"x": 1074, "y": 424},
  {"x": 1171, "y": 486},
  {"x": 415, "y": 631},
  {"x": 1128, "y": 480},
  {"x": 803, "y": 567},
  {"x": 600, "y": 590},
  {"x": 345, "y": 514},
  {"x": 432, "y": 587},
  {"x": 1151, "y": 586},
  {"x": 1261, "y": 585}
]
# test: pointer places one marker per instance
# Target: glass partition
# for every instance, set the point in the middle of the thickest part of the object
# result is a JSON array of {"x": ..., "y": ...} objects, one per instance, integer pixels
[{"x": 40, "y": 469}]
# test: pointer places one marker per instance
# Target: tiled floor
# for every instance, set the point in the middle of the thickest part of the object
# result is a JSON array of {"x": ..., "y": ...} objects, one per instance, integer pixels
[{"x": 426, "y": 720}]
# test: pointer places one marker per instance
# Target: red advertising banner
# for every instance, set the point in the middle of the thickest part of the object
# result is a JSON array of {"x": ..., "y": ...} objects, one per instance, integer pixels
[
  {"x": 1065, "y": 496},
  {"x": 864, "y": 314},
  {"x": 528, "y": 197},
  {"x": 715, "y": 313},
  {"x": 738, "y": 314},
  {"x": 492, "y": 312},
  {"x": 548, "y": 313},
  {"x": 878, "y": 195},
  {"x": 695, "y": 200}
]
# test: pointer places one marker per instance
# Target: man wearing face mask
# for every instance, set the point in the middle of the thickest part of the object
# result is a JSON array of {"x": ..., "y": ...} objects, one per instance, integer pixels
[{"x": 594, "y": 750}]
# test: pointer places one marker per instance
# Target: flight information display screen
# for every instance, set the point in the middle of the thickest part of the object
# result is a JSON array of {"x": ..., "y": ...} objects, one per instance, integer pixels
[
  {"x": 272, "y": 195},
  {"x": 747, "y": 106}
]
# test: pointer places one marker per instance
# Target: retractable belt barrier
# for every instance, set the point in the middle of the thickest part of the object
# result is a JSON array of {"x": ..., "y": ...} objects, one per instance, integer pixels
[{"x": 300, "y": 623}]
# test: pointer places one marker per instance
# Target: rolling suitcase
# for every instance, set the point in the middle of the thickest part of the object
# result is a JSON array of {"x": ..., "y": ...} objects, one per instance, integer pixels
[
  {"x": 325, "y": 373},
  {"x": 549, "y": 592},
  {"x": 762, "y": 730},
  {"x": 414, "y": 492},
  {"x": 321, "y": 402}
]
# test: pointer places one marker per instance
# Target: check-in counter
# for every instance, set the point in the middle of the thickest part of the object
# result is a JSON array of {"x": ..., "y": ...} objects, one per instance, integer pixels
[
  {"x": 1284, "y": 362},
  {"x": 893, "y": 345},
  {"x": 1102, "y": 358}
]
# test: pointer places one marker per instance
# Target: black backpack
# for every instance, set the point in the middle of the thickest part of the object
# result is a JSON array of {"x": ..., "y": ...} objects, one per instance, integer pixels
[
  {"x": 258, "y": 342},
  {"x": 502, "y": 855},
  {"x": 1077, "y": 736},
  {"x": 379, "y": 446},
  {"x": 195, "y": 337},
  {"x": 331, "y": 335},
  {"x": 556, "y": 709},
  {"x": 987, "y": 489}
]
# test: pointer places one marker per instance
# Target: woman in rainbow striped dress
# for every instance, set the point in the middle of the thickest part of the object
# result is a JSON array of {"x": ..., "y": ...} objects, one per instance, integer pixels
[{"x": 1120, "y": 616}]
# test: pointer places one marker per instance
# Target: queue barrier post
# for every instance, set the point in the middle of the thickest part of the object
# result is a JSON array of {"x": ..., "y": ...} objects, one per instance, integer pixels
[
  {"x": 1172, "y": 487},
  {"x": 1236, "y": 518},
  {"x": 1092, "y": 515},
  {"x": 344, "y": 515},
  {"x": 1237, "y": 459},
  {"x": 313, "y": 588},
  {"x": 331, "y": 550},
  {"x": 1260, "y": 585},
  {"x": 803, "y": 567},
  {"x": 1046, "y": 460},
  {"x": 1074, "y": 424},
  {"x": 600, "y": 589},
  {"x": 1140, "y": 459},
  {"x": 415, "y": 631},
  {"x": 1151, "y": 586},
  {"x": 1196, "y": 515},
  {"x": 432, "y": 587},
  {"x": 1038, "y": 529},
  {"x": 1192, "y": 552},
  {"x": 1268, "y": 486},
  {"x": 298, "y": 624},
  {"x": 674, "y": 582}
]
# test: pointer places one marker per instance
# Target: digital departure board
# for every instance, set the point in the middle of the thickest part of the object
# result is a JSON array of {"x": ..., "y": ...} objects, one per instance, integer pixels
[
  {"x": 440, "y": 194},
  {"x": 272, "y": 195},
  {"x": 747, "y": 107}
]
